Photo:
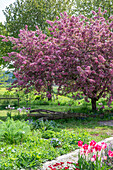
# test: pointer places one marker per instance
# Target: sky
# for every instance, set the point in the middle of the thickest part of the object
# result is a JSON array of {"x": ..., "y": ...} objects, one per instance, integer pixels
[{"x": 3, "y": 4}]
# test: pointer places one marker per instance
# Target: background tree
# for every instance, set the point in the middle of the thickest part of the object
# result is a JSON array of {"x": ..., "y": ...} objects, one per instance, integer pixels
[
  {"x": 3, "y": 78},
  {"x": 32, "y": 13},
  {"x": 5, "y": 47},
  {"x": 86, "y": 6}
]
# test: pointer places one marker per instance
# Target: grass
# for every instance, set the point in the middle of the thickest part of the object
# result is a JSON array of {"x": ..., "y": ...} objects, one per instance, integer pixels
[
  {"x": 62, "y": 103},
  {"x": 92, "y": 127}
]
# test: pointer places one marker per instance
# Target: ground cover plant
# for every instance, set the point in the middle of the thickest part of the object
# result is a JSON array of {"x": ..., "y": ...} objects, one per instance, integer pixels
[{"x": 41, "y": 140}]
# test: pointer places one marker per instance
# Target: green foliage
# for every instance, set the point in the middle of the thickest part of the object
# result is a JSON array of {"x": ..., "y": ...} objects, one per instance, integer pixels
[
  {"x": 86, "y": 6},
  {"x": 28, "y": 160},
  {"x": 5, "y": 47},
  {"x": 31, "y": 151},
  {"x": 55, "y": 142},
  {"x": 48, "y": 134},
  {"x": 32, "y": 13},
  {"x": 3, "y": 78},
  {"x": 42, "y": 125},
  {"x": 13, "y": 131},
  {"x": 9, "y": 115}
]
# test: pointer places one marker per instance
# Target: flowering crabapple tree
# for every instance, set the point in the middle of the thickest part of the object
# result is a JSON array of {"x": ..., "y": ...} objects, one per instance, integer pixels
[
  {"x": 78, "y": 57},
  {"x": 85, "y": 48},
  {"x": 33, "y": 60}
]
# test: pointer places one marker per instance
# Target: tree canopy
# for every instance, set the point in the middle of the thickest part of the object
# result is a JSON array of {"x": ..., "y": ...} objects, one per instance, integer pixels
[
  {"x": 86, "y": 6},
  {"x": 5, "y": 47},
  {"x": 85, "y": 46},
  {"x": 78, "y": 56},
  {"x": 32, "y": 13}
]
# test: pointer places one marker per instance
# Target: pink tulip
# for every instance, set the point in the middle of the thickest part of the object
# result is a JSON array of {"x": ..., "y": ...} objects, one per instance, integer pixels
[{"x": 80, "y": 143}]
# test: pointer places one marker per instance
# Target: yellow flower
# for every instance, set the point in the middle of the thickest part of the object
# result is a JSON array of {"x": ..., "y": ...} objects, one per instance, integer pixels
[
  {"x": 38, "y": 156},
  {"x": 13, "y": 159},
  {"x": 5, "y": 164}
]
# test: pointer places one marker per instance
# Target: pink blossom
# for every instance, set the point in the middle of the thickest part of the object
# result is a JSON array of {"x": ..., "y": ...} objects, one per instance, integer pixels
[
  {"x": 105, "y": 157},
  {"x": 101, "y": 58},
  {"x": 80, "y": 143},
  {"x": 93, "y": 12},
  {"x": 92, "y": 143},
  {"x": 98, "y": 147},
  {"x": 104, "y": 145},
  {"x": 94, "y": 156},
  {"x": 85, "y": 147},
  {"x": 77, "y": 57},
  {"x": 100, "y": 104},
  {"x": 19, "y": 109},
  {"x": 92, "y": 159},
  {"x": 110, "y": 153}
]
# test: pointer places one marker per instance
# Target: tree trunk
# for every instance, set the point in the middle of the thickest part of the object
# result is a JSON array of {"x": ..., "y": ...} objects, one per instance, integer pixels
[
  {"x": 93, "y": 102},
  {"x": 50, "y": 92}
]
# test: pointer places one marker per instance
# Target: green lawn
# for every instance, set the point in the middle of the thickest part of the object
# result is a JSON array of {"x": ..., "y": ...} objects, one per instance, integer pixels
[{"x": 92, "y": 127}]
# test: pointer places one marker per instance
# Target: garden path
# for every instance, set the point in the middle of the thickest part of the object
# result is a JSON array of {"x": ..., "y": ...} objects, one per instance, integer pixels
[{"x": 106, "y": 123}]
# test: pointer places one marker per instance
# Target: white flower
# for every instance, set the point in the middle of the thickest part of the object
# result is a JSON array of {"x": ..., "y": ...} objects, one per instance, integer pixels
[
  {"x": 92, "y": 159},
  {"x": 13, "y": 150},
  {"x": 2, "y": 149},
  {"x": 19, "y": 109},
  {"x": 100, "y": 104}
]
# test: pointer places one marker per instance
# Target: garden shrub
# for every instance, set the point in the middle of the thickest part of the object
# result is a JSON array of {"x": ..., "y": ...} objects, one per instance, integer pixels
[
  {"x": 14, "y": 131},
  {"x": 42, "y": 125},
  {"x": 19, "y": 159},
  {"x": 56, "y": 142},
  {"x": 48, "y": 134}
]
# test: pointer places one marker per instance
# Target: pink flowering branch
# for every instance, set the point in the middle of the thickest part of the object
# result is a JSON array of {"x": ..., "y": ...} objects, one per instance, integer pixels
[{"x": 78, "y": 56}]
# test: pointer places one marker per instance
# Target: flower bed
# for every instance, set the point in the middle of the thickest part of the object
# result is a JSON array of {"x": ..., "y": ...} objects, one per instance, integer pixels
[
  {"x": 28, "y": 144},
  {"x": 91, "y": 157}
]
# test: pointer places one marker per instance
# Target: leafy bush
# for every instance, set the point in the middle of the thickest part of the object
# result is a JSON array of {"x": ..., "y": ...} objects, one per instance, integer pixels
[
  {"x": 28, "y": 160},
  {"x": 48, "y": 134},
  {"x": 55, "y": 142},
  {"x": 42, "y": 125},
  {"x": 14, "y": 131}
]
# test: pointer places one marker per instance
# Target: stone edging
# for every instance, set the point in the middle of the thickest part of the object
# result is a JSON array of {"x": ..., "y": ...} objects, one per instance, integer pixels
[{"x": 71, "y": 156}]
